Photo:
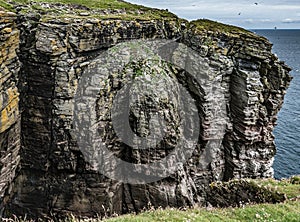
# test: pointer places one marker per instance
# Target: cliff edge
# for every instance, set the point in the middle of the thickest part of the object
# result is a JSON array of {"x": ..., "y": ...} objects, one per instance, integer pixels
[{"x": 63, "y": 66}]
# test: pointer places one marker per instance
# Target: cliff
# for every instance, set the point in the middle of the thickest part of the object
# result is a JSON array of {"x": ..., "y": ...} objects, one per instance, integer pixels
[
  {"x": 203, "y": 101},
  {"x": 9, "y": 104}
]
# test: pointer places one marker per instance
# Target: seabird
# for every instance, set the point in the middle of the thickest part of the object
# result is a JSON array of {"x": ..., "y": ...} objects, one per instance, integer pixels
[
  {"x": 239, "y": 13},
  {"x": 256, "y": 3}
]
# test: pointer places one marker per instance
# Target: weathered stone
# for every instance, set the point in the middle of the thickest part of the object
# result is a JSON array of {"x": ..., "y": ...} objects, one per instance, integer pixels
[
  {"x": 231, "y": 75},
  {"x": 9, "y": 105}
]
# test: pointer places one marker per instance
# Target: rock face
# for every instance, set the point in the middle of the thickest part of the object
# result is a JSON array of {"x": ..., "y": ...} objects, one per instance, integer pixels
[
  {"x": 234, "y": 81},
  {"x": 9, "y": 104}
]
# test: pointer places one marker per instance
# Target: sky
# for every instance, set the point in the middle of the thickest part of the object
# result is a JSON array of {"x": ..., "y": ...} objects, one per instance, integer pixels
[{"x": 250, "y": 14}]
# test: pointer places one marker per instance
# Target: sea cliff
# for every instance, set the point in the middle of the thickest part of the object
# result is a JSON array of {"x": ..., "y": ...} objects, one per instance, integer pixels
[{"x": 235, "y": 82}]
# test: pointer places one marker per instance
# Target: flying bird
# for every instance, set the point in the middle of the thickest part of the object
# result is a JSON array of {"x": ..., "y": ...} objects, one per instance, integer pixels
[
  {"x": 256, "y": 3},
  {"x": 239, "y": 13}
]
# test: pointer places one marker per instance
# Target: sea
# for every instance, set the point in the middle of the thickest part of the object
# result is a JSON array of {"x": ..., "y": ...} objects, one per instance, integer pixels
[{"x": 286, "y": 45}]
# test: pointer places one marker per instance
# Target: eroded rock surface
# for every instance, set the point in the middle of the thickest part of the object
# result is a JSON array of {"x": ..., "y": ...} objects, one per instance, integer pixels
[
  {"x": 230, "y": 74},
  {"x": 9, "y": 104}
]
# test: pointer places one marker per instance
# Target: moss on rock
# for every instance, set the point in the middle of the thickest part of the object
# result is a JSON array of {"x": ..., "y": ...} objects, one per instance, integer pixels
[{"x": 237, "y": 193}]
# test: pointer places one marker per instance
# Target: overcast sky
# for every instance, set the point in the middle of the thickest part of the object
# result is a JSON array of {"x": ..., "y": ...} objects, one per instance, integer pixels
[{"x": 249, "y": 14}]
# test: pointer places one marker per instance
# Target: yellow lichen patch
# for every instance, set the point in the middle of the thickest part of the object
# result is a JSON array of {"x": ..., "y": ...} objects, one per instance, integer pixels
[
  {"x": 9, "y": 109},
  {"x": 7, "y": 30},
  {"x": 8, "y": 48},
  {"x": 3, "y": 54},
  {"x": 9, "y": 115},
  {"x": 7, "y": 96},
  {"x": 4, "y": 75},
  {"x": 137, "y": 24},
  {"x": 225, "y": 51}
]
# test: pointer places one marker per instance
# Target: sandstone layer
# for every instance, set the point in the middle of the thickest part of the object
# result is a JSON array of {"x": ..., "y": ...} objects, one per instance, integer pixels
[{"x": 233, "y": 79}]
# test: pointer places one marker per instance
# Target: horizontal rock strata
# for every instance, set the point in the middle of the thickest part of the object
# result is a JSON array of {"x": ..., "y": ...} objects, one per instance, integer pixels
[
  {"x": 9, "y": 104},
  {"x": 233, "y": 83}
]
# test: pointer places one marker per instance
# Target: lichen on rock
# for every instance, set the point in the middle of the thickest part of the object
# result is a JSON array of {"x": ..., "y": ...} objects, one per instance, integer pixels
[{"x": 9, "y": 104}]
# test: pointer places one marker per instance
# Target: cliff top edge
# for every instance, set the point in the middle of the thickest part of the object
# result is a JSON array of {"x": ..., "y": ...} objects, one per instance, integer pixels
[{"x": 113, "y": 9}]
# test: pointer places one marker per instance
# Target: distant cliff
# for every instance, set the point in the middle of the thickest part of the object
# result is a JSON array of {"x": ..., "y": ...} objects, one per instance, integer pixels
[{"x": 234, "y": 81}]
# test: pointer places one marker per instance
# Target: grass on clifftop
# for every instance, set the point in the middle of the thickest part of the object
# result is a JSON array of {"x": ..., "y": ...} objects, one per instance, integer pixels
[
  {"x": 201, "y": 25},
  {"x": 205, "y": 24},
  {"x": 288, "y": 211},
  {"x": 92, "y": 4},
  {"x": 6, "y": 5},
  {"x": 145, "y": 13}
]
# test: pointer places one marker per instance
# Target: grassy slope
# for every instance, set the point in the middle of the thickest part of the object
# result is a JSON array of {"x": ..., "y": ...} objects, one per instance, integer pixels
[
  {"x": 6, "y": 5},
  {"x": 205, "y": 24},
  {"x": 93, "y": 4},
  {"x": 131, "y": 9},
  {"x": 148, "y": 13},
  {"x": 288, "y": 211}
]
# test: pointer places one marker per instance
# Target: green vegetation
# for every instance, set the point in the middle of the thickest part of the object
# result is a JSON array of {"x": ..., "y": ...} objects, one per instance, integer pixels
[
  {"x": 6, "y": 6},
  {"x": 145, "y": 13},
  {"x": 129, "y": 16},
  {"x": 295, "y": 180},
  {"x": 92, "y": 4},
  {"x": 288, "y": 211},
  {"x": 291, "y": 186},
  {"x": 205, "y": 24},
  {"x": 90, "y": 9}
]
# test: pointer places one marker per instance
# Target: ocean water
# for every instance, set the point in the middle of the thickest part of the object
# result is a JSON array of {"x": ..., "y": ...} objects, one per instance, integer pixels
[{"x": 286, "y": 45}]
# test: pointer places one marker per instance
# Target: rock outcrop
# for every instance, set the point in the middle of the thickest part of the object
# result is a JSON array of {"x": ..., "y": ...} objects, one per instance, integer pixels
[
  {"x": 9, "y": 104},
  {"x": 238, "y": 193},
  {"x": 234, "y": 83}
]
